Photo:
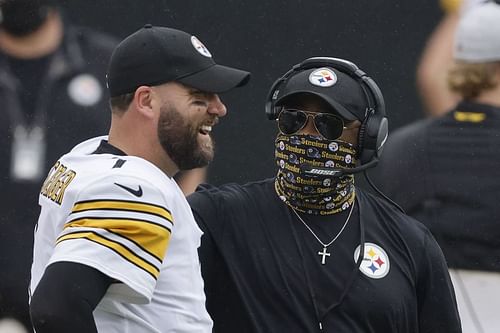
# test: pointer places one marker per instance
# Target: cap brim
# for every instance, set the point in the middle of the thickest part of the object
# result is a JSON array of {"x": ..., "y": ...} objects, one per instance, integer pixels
[
  {"x": 346, "y": 114},
  {"x": 216, "y": 79}
]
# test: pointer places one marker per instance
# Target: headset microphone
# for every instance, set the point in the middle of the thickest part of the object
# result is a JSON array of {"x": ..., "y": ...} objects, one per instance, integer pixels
[{"x": 324, "y": 171}]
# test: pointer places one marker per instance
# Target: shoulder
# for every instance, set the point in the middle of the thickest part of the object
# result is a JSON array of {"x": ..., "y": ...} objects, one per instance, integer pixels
[
  {"x": 401, "y": 160},
  {"x": 401, "y": 152},
  {"x": 388, "y": 217},
  {"x": 415, "y": 135},
  {"x": 111, "y": 176},
  {"x": 404, "y": 236},
  {"x": 83, "y": 156},
  {"x": 229, "y": 193},
  {"x": 91, "y": 42},
  {"x": 403, "y": 138}
]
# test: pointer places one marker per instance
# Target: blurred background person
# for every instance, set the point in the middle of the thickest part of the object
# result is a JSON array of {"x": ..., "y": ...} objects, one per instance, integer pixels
[
  {"x": 52, "y": 95},
  {"x": 437, "y": 58},
  {"x": 444, "y": 170}
]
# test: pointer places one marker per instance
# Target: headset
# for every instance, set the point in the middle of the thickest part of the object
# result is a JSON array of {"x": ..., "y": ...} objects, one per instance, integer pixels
[{"x": 374, "y": 127}]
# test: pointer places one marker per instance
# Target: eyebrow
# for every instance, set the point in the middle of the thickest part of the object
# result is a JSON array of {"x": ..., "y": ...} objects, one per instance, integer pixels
[{"x": 199, "y": 93}]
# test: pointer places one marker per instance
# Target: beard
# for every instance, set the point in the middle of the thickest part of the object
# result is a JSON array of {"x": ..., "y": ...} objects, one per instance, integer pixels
[{"x": 179, "y": 139}]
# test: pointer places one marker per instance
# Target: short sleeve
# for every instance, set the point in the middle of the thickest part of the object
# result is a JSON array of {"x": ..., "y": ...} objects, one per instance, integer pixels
[
  {"x": 437, "y": 305},
  {"x": 205, "y": 206},
  {"x": 120, "y": 226}
]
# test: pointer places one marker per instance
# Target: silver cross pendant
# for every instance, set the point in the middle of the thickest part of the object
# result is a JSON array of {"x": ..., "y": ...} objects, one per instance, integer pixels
[{"x": 324, "y": 254}]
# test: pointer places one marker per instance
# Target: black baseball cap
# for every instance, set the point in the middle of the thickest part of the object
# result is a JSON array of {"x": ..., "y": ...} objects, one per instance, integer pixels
[
  {"x": 156, "y": 55},
  {"x": 342, "y": 92}
]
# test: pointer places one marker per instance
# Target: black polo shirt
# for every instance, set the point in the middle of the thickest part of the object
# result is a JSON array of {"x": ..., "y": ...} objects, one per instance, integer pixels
[
  {"x": 445, "y": 173},
  {"x": 263, "y": 273}
]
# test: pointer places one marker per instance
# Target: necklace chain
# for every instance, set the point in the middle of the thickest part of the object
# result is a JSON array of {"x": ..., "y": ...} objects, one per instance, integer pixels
[{"x": 336, "y": 236}]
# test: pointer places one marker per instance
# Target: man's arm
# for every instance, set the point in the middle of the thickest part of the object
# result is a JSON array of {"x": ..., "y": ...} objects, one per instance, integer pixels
[
  {"x": 65, "y": 298},
  {"x": 435, "y": 61},
  {"x": 437, "y": 305}
]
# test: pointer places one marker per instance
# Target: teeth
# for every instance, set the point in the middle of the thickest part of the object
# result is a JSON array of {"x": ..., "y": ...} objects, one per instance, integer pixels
[{"x": 206, "y": 128}]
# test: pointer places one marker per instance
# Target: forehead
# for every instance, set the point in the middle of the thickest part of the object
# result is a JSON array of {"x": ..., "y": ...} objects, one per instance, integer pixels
[{"x": 177, "y": 88}]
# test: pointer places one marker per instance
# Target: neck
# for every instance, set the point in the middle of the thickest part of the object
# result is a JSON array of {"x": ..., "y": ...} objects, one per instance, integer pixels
[
  {"x": 340, "y": 196},
  {"x": 125, "y": 135},
  {"x": 44, "y": 41},
  {"x": 490, "y": 97}
]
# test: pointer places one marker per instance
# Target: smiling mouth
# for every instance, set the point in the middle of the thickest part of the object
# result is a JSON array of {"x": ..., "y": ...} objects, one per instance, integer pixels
[{"x": 205, "y": 129}]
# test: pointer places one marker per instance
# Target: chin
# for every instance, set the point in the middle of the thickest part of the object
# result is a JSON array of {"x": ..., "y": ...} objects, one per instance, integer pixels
[
  {"x": 207, "y": 155},
  {"x": 206, "y": 145},
  {"x": 202, "y": 156}
]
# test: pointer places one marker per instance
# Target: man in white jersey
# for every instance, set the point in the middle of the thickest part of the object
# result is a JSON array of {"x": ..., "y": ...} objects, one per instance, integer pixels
[{"x": 116, "y": 244}]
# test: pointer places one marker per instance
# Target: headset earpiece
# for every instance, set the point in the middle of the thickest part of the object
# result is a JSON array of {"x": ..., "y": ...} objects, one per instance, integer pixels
[
  {"x": 376, "y": 127},
  {"x": 372, "y": 136}
]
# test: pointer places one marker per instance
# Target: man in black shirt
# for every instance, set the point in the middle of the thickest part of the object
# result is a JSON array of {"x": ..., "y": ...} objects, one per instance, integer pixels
[
  {"x": 444, "y": 171},
  {"x": 52, "y": 93},
  {"x": 307, "y": 251}
]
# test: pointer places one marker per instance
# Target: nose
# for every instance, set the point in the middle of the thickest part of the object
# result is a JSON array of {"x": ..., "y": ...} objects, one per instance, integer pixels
[
  {"x": 309, "y": 127},
  {"x": 216, "y": 106}
]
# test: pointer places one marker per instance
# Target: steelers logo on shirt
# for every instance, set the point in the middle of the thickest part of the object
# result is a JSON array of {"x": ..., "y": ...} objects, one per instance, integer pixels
[{"x": 375, "y": 263}]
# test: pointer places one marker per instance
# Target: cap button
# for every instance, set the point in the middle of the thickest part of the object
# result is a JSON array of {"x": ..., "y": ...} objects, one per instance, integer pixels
[{"x": 148, "y": 26}]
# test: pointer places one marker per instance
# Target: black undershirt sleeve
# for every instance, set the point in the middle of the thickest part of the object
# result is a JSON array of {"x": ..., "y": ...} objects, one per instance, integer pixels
[{"x": 65, "y": 298}]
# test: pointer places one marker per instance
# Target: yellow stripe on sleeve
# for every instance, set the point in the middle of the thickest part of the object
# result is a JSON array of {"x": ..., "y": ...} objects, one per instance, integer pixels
[
  {"x": 151, "y": 237},
  {"x": 118, "y": 248},
  {"x": 134, "y": 206}
]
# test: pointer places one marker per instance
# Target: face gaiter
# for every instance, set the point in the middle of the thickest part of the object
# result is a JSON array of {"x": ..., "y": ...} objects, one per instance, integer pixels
[{"x": 314, "y": 194}]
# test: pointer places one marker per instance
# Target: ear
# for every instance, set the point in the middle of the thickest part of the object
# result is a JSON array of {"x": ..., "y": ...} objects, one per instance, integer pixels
[{"x": 143, "y": 101}]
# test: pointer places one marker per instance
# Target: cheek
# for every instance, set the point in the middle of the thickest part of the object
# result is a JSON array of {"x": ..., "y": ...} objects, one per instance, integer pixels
[{"x": 350, "y": 136}]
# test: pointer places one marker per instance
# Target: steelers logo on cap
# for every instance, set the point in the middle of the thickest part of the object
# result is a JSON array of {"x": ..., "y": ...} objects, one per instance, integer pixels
[
  {"x": 200, "y": 47},
  {"x": 375, "y": 262},
  {"x": 323, "y": 77}
]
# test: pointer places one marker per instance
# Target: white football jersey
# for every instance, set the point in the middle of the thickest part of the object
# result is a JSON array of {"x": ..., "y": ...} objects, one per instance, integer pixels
[{"x": 124, "y": 217}]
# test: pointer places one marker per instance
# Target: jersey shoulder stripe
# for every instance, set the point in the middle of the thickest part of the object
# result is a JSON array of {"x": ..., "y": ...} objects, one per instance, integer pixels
[
  {"x": 124, "y": 205},
  {"x": 116, "y": 247},
  {"x": 151, "y": 237}
]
